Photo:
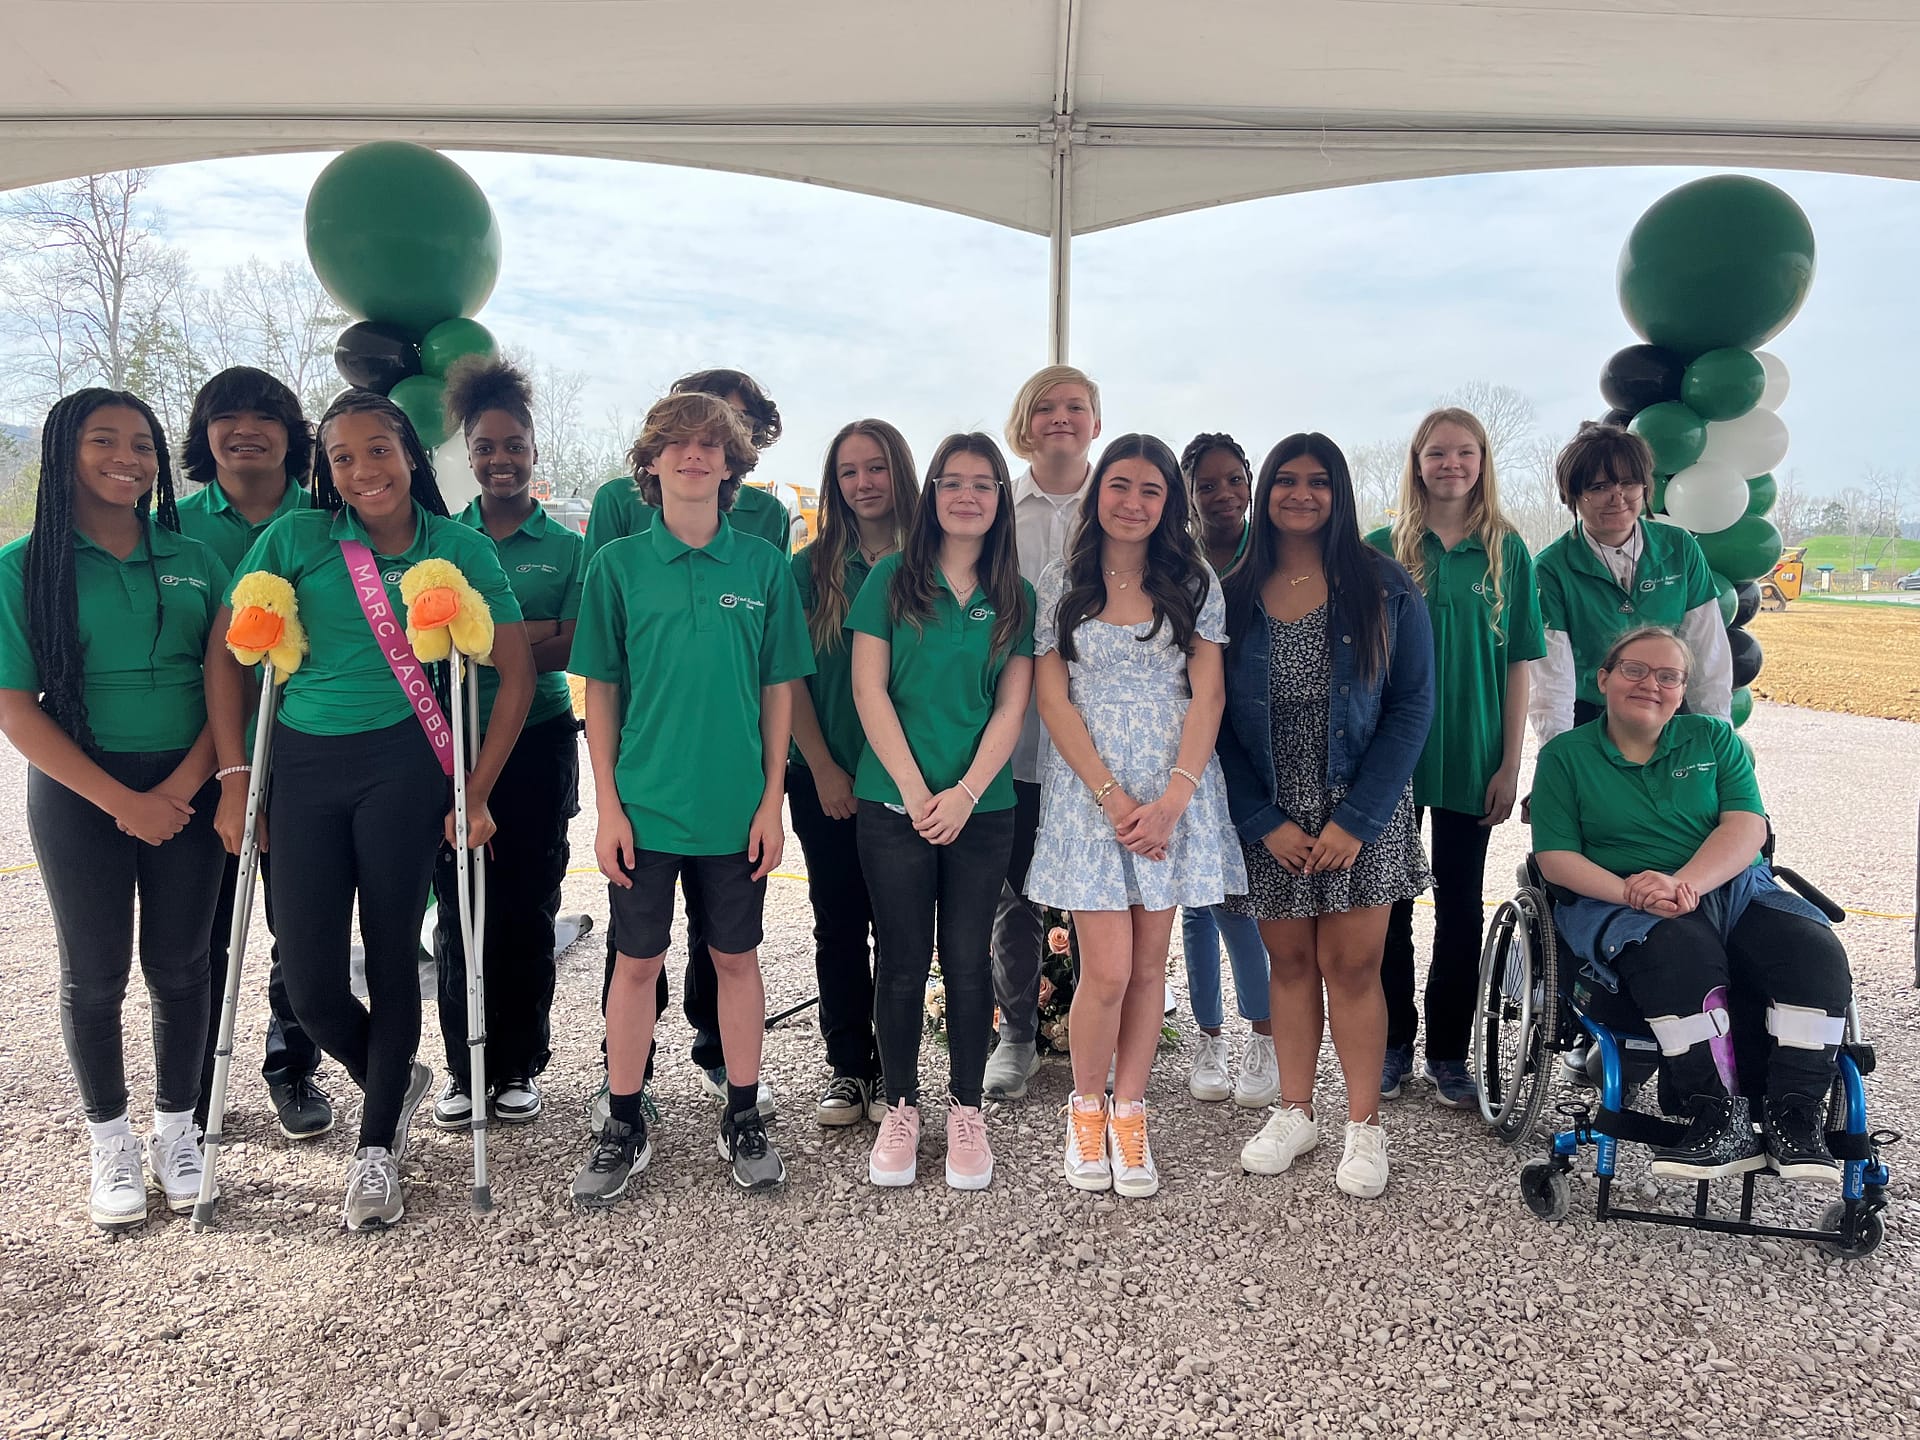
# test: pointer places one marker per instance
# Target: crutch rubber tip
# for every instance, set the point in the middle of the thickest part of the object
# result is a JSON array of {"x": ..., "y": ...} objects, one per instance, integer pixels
[
  {"x": 482, "y": 1198},
  {"x": 203, "y": 1216}
]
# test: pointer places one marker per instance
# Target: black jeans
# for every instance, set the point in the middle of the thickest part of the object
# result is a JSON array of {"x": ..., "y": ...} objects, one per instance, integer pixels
[
  {"x": 92, "y": 872},
  {"x": 925, "y": 895},
  {"x": 842, "y": 920},
  {"x": 1771, "y": 955},
  {"x": 357, "y": 815},
  {"x": 537, "y": 793},
  {"x": 290, "y": 1051},
  {"x": 1459, "y": 858},
  {"x": 1017, "y": 937}
]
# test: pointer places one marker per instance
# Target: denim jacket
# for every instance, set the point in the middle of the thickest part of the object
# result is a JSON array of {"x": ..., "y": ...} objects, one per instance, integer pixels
[{"x": 1375, "y": 730}]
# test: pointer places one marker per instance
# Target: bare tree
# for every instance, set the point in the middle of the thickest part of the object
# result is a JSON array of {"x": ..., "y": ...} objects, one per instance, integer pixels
[
  {"x": 1507, "y": 414},
  {"x": 1376, "y": 468},
  {"x": 276, "y": 317},
  {"x": 1529, "y": 493},
  {"x": 1796, "y": 511}
]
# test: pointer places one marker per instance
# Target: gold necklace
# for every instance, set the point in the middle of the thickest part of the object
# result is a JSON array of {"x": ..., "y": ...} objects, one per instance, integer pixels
[
  {"x": 1299, "y": 580},
  {"x": 1123, "y": 584}
]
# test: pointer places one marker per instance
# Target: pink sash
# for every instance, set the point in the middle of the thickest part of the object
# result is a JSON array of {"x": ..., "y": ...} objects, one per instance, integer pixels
[{"x": 391, "y": 636}]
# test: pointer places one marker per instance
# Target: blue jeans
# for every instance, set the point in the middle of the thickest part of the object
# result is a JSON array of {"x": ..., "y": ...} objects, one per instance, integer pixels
[{"x": 1201, "y": 932}]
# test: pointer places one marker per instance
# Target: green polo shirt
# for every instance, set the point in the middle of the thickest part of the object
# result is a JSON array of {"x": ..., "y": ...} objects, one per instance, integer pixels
[
  {"x": 209, "y": 517},
  {"x": 831, "y": 685},
  {"x": 546, "y": 565},
  {"x": 618, "y": 510},
  {"x": 1589, "y": 798},
  {"x": 1580, "y": 598},
  {"x": 143, "y": 636},
  {"x": 1467, "y": 740},
  {"x": 941, "y": 679},
  {"x": 344, "y": 686},
  {"x": 691, "y": 637}
]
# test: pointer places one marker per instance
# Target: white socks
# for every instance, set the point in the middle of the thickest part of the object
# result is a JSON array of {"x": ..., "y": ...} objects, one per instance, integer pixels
[{"x": 105, "y": 1130}]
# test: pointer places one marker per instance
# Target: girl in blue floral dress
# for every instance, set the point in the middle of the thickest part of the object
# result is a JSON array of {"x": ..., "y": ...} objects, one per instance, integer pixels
[{"x": 1133, "y": 811}]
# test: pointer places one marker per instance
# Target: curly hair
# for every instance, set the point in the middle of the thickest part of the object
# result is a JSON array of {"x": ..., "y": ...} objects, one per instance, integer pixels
[
  {"x": 479, "y": 383},
  {"x": 763, "y": 416},
  {"x": 686, "y": 416}
]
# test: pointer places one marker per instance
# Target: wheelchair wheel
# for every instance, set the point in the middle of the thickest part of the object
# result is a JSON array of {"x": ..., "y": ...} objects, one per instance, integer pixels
[
  {"x": 1873, "y": 1229},
  {"x": 1514, "y": 1022},
  {"x": 1546, "y": 1188}
]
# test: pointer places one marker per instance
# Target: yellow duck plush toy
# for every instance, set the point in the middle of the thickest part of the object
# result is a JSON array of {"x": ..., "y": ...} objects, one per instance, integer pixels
[
  {"x": 444, "y": 611},
  {"x": 266, "y": 624}
]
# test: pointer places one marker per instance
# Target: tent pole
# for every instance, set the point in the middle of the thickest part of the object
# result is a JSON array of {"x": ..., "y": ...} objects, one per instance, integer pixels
[{"x": 1060, "y": 231}]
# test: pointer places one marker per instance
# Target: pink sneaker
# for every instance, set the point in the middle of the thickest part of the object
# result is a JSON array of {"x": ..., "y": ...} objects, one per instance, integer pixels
[
  {"x": 969, "y": 1157},
  {"x": 895, "y": 1158}
]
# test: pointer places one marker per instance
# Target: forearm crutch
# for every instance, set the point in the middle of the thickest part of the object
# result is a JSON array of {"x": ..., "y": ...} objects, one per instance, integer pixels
[
  {"x": 470, "y": 878},
  {"x": 237, "y": 943}
]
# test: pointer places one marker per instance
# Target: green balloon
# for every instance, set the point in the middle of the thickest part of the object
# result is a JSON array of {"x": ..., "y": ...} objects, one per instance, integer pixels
[
  {"x": 399, "y": 233},
  {"x": 1724, "y": 384},
  {"x": 1674, "y": 433},
  {"x": 1724, "y": 593},
  {"x": 1742, "y": 706},
  {"x": 1727, "y": 260},
  {"x": 1745, "y": 550},
  {"x": 423, "y": 398},
  {"x": 1657, "y": 500},
  {"x": 1762, "y": 491},
  {"x": 453, "y": 340}
]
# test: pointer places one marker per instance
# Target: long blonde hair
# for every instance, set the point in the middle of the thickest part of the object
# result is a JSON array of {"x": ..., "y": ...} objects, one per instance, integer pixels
[
  {"x": 1485, "y": 518},
  {"x": 840, "y": 527}
]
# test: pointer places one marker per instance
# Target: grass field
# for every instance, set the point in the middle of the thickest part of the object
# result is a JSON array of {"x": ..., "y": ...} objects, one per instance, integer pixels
[{"x": 1842, "y": 551}]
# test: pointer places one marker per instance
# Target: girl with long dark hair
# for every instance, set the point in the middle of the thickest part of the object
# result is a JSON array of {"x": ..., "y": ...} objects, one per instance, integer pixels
[
  {"x": 1329, "y": 693},
  {"x": 359, "y": 802},
  {"x": 942, "y": 647},
  {"x": 867, "y": 500},
  {"x": 1133, "y": 812},
  {"x": 104, "y": 617}
]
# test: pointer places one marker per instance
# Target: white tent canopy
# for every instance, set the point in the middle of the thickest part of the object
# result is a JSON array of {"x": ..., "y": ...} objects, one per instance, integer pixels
[{"x": 1054, "y": 116}]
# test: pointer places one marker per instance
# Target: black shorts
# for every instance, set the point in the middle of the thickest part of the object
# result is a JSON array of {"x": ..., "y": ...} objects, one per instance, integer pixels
[{"x": 720, "y": 889}]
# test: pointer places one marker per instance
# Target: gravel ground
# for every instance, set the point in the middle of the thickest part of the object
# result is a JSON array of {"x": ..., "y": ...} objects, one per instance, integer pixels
[{"x": 1228, "y": 1305}]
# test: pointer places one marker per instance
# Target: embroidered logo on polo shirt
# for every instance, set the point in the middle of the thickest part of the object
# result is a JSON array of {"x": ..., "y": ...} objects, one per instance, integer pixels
[
  {"x": 533, "y": 565},
  {"x": 193, "y": 580},
  {"x": 980, "y": 612},
  {"x": 392, "y": 577},
  {"x": 728, "y": 602},
  {"x": 1657, "y": 581},
  {"x": 1699, "y": 767}
]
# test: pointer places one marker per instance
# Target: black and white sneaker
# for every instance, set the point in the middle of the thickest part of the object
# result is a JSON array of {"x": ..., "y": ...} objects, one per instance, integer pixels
[
  {"x": 454, "y": 1109},
  {"x": 743, "y": 1144},
  {"x": 845, "y": 1101},
  {"x": 1796, "y": 1131},
  {"x": 516, "y": 1100},
  {"x": 1719, "y": 1141},
  {"x": 620, "y": 1152}
]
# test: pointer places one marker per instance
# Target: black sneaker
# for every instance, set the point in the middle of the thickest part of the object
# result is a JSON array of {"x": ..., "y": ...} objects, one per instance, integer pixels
[
  {"x": 1719, "y": 1141},
  {"x": 1796, "y": 1130},
  {"x": 303, "y": 1108},
  {"x": 744, "y": 1145},
  {"x": 620, "y": 1152}
]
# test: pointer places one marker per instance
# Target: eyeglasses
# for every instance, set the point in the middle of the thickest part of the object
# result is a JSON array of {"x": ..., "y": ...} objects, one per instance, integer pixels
[
  {"x": 1665, "y": 677},
  {"x": 1607, "y": 487}
]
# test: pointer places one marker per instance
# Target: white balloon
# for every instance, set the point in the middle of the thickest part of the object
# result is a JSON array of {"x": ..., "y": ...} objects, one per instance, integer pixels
[
  {"x": 1707, "y": 496},
  {"x": 455, "y": 473},
  {"x": 1778, "y": 381},
  {"x": 1753, "y": 444}
]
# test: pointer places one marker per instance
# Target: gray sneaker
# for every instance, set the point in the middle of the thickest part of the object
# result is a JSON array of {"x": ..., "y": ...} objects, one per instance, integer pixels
[
  {"x": 620, "y": 1153},
  {"x": 373, "y": 1190},
  {"x": 744, "y": 1145},
  {"x": 417, "y": 1087},
  {"x": 1009, "y": 1068}
]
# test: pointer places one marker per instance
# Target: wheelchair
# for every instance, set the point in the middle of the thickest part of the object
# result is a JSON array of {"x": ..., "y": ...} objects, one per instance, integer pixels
[{"x": 1534, "y": 1009}]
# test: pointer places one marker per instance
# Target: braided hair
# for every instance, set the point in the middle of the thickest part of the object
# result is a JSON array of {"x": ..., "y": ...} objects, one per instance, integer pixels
[
  {"x": 53, "y": 595},
  {"x": 424, "y": 485}
]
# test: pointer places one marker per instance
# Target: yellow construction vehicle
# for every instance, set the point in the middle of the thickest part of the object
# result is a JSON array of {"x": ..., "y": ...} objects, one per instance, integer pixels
[{"x": 1783, "y": 583}]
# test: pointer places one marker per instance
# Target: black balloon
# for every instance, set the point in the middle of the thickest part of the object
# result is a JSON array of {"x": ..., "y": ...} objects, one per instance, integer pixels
[
  {"x": 1617, "y": 417},
  {"x": 375, "y": 356},
  {"x": 1641, "y": 375},
  {"x": 1746, "y": 602},
  {"x": 1746, "y": 656}
]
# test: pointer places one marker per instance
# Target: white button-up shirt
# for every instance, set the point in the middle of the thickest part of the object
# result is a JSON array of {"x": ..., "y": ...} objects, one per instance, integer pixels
[{"x": 1042, "y": 524}]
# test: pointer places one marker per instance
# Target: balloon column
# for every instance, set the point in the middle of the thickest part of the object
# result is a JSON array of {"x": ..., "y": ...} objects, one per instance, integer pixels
[
  {"x": 1713, "y": 271},
  {"x": 404, "y": 239}
]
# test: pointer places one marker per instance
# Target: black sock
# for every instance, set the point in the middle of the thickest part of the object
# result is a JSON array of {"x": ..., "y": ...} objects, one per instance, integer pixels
[
  {"x": 625, "y": 1108},
  {"x": 742, "y": 1098}
]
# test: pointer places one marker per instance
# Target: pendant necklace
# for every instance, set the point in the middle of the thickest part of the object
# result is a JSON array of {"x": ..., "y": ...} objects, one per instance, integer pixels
[
  {"x": 1299, "y": 580},
  {"x": 1123, "y": 584}
]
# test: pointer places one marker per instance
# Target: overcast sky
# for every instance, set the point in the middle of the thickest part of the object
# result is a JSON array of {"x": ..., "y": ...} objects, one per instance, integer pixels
[{"x": 1346, "y": 311}]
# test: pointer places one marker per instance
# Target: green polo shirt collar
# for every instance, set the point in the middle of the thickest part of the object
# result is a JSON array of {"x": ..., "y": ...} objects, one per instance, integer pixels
[
  {"x": 670, "y": 547},
  {"x": 346, "y": 526},
  {"x": 534, "y": 527},
  {"x": 294, "y": 497}
]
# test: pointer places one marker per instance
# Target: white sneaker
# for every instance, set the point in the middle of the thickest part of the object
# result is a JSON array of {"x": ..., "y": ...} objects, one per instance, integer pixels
[
  {"x": 1287, "y": 1135},
  {"x": 1258, "y": 1083},
  {"x": 1363, "y": 1163},
  {"x": 1086, "y": 1162},
  {"x": 373, "y": 1200},
  {"x": 1134, "y": 1174},
  {"x": 1212, "y": 1066},
  {"x": 174, "y": 1158},
  {"x": 118, "y": 1197}
]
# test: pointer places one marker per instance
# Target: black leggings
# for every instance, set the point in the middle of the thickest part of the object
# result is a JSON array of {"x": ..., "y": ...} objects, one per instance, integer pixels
[
  {"x": 536, "y": 795},
  {"x": 356, "y": 814},
  {"x": 1459, "y": 854},
  {"x": 842, "y": 921},
  {"x": 1770, "y": 956},
  {"x": 92, "y": 872}
]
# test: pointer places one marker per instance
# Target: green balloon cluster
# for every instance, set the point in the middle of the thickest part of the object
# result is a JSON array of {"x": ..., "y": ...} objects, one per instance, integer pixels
[
  {"x": 1745, "y": 550},
  {"x": 1723, "y": 261}
]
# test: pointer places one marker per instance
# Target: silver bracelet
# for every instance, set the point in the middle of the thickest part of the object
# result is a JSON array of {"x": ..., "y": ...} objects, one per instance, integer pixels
[
  {"x": 233, "y": 770},
  {"x": 1187, "y": 775},
  {"x": 969, "y": 789}
]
